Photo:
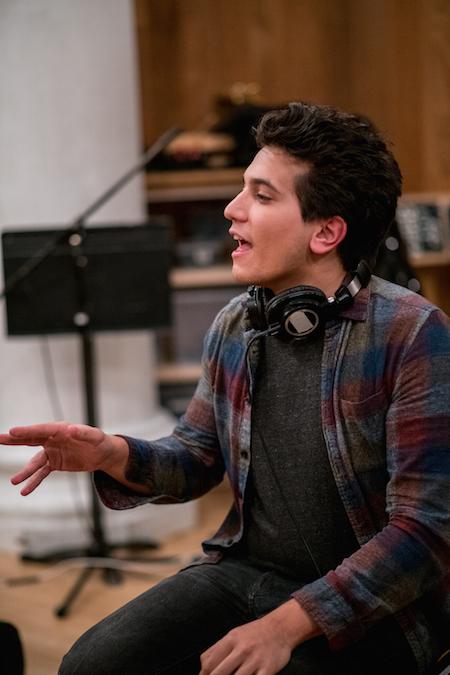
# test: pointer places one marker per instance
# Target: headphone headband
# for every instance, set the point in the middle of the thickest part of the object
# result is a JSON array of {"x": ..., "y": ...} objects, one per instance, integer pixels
[{"x": 359, "y": 279}]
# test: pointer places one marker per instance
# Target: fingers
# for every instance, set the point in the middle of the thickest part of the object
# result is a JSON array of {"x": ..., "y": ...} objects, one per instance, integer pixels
[
  {"x": 36, "y": 480},
  {"x": 36, "y": 463},
  {"x": 36, "y": 469},
  {"x": 38, "y": 431},
  {"x": 7, "y": 439},
  {"x": 217, "y": 659},
  {"x": 37, "y": 434}
]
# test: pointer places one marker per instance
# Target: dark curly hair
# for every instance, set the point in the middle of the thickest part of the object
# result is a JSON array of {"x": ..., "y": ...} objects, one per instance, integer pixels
[{"x": 352, "y": 172}]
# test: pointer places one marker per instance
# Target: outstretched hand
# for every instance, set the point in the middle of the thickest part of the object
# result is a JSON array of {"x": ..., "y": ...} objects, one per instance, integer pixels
[{"x": 65, "y": 447}]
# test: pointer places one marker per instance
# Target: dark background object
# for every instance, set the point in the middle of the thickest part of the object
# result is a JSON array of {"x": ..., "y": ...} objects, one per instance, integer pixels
[
  {"x": 126, "y": 279},
  {"x": 392, "y": 261},
  {"x": 11, "y": 650}
]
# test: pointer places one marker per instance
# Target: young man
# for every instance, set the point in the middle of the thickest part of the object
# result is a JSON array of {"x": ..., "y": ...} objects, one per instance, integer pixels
[{"x": 325, "y": 398}]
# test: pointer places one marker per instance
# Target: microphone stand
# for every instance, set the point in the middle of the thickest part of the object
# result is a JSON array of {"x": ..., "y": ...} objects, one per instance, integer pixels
[{"x": 75, "y": 235}]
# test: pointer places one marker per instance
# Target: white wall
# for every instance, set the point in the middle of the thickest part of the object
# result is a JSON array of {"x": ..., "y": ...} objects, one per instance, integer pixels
[{"x": 69, "y": 127}]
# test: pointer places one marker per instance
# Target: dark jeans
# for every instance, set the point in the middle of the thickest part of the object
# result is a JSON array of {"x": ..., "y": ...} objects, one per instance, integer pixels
[{"x": 165, "y": 629}]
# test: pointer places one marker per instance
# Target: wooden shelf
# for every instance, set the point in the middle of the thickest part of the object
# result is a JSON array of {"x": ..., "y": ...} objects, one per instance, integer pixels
[
  {"x": 430, "y": 259},
  {"x": 193, "y": 185},
  {"x": 178, "y": 373},
  {"x": 202, "y": 277},
  {"x": 439, "y": 196}
]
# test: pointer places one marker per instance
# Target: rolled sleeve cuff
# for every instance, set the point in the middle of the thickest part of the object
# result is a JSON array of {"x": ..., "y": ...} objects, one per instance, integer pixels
[
  {"x": 114, "y": 494},
  {"x": 328, "y": 608}
]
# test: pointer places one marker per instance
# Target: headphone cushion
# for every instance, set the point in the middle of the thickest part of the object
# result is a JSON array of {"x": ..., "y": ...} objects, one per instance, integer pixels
[{"x": 257, "y": 300}]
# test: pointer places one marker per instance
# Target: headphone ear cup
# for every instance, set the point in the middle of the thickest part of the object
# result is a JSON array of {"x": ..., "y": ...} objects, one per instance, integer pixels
[
  {"x": 257, "y": 299},
  {"x": 298, "y": 312}
]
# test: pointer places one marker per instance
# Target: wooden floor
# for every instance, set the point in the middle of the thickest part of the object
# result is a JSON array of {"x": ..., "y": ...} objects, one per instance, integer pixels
[{"x": 31, "y": 607}]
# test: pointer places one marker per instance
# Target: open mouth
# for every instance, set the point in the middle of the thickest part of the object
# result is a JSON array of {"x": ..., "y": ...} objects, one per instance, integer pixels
[{"x": 242, "y": 245}]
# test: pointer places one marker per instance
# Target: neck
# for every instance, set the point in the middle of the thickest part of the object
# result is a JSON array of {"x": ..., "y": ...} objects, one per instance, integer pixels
[
  {"x": 324, "y": 273},
  {"x": 328, "y": 280}
]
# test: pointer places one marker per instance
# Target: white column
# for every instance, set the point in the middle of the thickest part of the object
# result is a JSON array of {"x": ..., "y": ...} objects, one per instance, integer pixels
[{"x": 69, "y": 127}]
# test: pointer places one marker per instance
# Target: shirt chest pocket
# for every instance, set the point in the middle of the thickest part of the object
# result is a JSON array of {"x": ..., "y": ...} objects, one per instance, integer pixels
[{"x": 364, "y": 427}]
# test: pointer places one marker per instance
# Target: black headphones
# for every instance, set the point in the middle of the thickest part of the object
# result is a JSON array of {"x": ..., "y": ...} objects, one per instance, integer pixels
[{"x": 301, "y": 312}]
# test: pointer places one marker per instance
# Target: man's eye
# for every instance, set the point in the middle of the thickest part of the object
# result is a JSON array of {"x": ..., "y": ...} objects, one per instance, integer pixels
[{"x": 262, "y": 198}]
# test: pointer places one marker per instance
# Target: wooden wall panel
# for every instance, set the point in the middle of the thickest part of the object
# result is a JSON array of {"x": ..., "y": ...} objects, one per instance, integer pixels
[
  {"x": 384, "y": 70},
  {"x": 389, "y": 59},
  {"x": 193, "y": 50},
  {"x": 435, "y": 102}
]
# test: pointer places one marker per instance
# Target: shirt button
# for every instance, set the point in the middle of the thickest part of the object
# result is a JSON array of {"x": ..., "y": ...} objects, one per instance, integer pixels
[{"x": 244, "y": 454}]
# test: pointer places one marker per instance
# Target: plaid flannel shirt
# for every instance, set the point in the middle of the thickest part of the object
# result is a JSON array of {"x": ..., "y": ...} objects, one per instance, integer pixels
[{"x": 386, "y": 422}]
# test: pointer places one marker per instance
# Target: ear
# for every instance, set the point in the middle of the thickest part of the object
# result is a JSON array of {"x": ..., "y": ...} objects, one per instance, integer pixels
[{"x": 328, "y": 234}]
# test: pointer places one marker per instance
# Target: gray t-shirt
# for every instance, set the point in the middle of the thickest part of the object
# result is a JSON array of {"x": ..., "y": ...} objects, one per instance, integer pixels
[{"x": 290, "y": 475}]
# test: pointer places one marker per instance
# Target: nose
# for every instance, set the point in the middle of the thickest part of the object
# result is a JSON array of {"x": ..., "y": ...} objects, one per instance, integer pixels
[{"x": 235, "y": 209}]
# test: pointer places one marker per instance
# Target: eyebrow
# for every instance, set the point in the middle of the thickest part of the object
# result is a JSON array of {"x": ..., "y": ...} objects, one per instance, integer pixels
[{"x": 256, "y": 182}]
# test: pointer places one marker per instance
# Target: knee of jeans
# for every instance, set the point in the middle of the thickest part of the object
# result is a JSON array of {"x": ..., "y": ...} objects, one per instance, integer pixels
[{"x": 85, "y": 659}]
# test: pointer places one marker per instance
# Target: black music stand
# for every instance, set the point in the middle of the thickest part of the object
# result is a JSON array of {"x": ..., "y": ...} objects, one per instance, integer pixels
[{"x": 103, "y": 278}]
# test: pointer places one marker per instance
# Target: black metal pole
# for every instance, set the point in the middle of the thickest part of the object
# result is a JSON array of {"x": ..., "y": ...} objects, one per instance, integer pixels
[
  {"x": 99, "y": 547},
  {"x": 88, "y": 350}
]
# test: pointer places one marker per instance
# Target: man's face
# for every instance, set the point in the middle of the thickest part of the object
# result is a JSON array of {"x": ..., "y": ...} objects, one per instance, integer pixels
[{"x": 272, "y": 238}]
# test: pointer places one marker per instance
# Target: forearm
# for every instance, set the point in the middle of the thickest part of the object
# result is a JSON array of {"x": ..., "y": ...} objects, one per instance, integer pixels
[
  {"x": 373, "y": 583},
  {"x": 164, "y": 471}
]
